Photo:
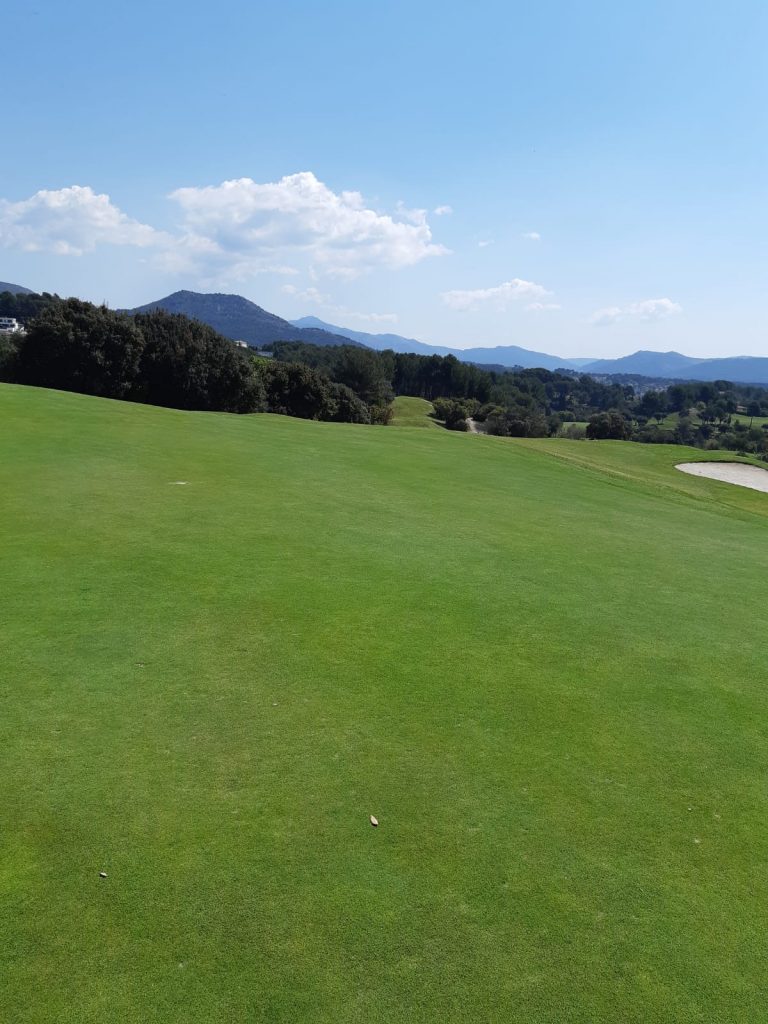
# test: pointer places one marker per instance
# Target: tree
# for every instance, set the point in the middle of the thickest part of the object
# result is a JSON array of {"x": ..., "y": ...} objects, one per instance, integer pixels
[
  {"x": 293, "y": 389},
  {"x": 186, "y": 365},
  {"x": 608, "y": 426},
  {"x": 8, "y": 356},
  {"x": 76, "y": 346}
]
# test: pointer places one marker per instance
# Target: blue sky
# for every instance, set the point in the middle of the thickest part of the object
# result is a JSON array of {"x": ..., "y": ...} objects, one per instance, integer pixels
[{"x": 584, "y": 179}]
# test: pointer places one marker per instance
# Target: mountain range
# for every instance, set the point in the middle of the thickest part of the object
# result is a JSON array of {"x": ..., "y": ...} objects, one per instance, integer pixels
[
  {"x": 242, "y": 320},
  {"x": 501, "y": 355},
  {"x": 670, "y": 365},
  {"x": 744, "y": 369}
]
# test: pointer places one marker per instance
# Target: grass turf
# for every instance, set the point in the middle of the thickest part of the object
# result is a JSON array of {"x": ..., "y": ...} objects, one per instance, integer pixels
[
  {"x": 671, "y": 421},
  {"x": 413, "y": 412},
  {"x": 540, "y": 664}
]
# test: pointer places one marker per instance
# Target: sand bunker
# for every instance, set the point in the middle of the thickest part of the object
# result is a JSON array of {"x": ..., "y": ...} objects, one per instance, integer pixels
[{"x": 729, "y": 472}]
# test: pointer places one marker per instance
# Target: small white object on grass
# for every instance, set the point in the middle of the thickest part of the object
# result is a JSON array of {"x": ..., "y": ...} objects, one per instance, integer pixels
[
  {"x": 102, "y": 874},
  {"x": 374, "y": 821}
]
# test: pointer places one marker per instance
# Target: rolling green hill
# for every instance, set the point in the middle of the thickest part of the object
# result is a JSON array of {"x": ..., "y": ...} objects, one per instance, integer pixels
[
  {"x": 228, "y": 641},
  {"x": 412, "y": 412}
]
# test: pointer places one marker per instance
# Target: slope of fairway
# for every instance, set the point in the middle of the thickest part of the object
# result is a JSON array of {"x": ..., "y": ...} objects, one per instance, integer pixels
[
  {"x": 412, "y": 412},
  {"x": 541, "y": 665}
]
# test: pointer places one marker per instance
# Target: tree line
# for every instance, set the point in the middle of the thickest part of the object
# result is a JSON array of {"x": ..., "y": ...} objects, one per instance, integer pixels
[
  {"x": 166, "y": 359},
  {"x": 170, "y": 360},
  {"x": 535, "y": 402},
  {"x": 542, "y": 403}
]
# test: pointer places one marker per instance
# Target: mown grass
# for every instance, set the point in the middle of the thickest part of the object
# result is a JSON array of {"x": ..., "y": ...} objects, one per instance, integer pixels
[
  {"x": 540, "y": 664},
  {"x": 750, "y": 421},
  {"x": 672, "y": 419},
  {"x": 412, "y": 412}
]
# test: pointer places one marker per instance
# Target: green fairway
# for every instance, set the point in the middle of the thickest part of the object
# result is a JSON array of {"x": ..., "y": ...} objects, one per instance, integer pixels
[
  {"x": 671, "y": 421},
  {"x": 750, "y": 421},
  {"x": 412, "y": 412},
  {"x": 227, "y": 641}
]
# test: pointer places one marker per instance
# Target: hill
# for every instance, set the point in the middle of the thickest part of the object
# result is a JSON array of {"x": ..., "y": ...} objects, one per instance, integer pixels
[
  {"x": 502, "y": 355},
  {"x": 15, "y": 289},
  {"x": 648, "y": 364},
  {"x": 239, "y": 319},
  {"x": 395, "y": 342},
  {"x": 674, "y": 365},
  {"x": 229, "y": 640}
]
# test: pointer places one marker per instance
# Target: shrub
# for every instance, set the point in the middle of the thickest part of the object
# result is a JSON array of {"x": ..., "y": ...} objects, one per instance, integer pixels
[{"x": 608, "y": 426}]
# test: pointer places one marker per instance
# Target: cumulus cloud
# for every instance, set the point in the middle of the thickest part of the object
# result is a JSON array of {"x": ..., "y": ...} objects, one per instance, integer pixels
[
  {"x": 232, "y": 231},
  {"x": 71, "y": 221},
  {"x": 498, "y": 297},
  {"x": 655, "y": 309},
  {"x": 299, "y": 216},
  {"x": 540, "y": 307},
  {"x": 442, "y": 211},
  {"x": 647, "y": 310},
  {"x": 532, "y": 236}
]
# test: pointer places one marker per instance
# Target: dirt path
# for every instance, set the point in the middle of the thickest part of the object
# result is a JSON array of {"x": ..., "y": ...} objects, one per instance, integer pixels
[{"x": 473, "y": 428}]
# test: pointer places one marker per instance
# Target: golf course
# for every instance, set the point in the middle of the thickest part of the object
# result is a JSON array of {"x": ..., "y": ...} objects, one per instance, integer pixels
[{"x": 228, "y": 641}]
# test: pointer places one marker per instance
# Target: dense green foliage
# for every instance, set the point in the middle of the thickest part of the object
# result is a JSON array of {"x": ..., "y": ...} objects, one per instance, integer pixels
[
  {"x": 297, "y": 390},
  {"x": 540, "y": 403},
  {"x": 510, "y": 652},
  {"x": 23, "y": 306},
  {"x": 517, "y": 402},
  {"x": 169, "y": 360},
  {"x": 186, "y": 365},
  {"x": 608, "y": 426}
]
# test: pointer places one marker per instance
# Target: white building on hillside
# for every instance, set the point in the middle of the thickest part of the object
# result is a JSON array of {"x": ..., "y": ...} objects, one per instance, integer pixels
[{"x": 9, "y": 325}]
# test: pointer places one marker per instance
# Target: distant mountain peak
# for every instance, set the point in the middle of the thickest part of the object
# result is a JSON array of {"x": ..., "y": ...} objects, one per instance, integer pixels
[
  {"x": 676, "y": 366},
  {"x": 502, "y": 355},
  {"x": 238, "y": 318}
]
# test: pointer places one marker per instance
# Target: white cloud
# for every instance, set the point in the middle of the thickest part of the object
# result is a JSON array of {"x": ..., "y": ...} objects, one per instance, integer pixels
[
  {"x": 371, "y": 318},
  {"x": 485, "y": 243},
  {"x": 299, "y": 216},
  {"x": 232, "y": 231},
  {"x": 499, "y": 297},
  {"x": 648, "y": 309},
  {"x": 442, "y": 211},
  {"x": 71, "y": 221},
  {"x": 608, "y": 315},
  {"x": 655, "y": 309},
  {"x": 316, "y": 298},
  {"x": 543, "y": 306},
  {"x": 313, "y": 295},
  {"x": 532, "y": 236}
]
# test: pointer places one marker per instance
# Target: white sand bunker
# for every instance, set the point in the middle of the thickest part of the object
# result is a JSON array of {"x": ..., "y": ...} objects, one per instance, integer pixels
[{"x": 738, "y": 473}]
